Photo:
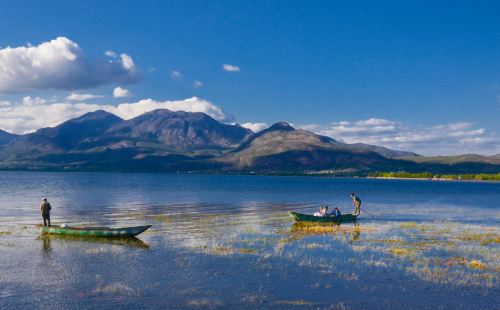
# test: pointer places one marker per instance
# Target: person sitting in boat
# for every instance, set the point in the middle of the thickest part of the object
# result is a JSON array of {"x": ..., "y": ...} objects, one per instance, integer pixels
[
  {"x": 336, "y": 212},
  {"x": 320, "y": 213},
  {"x": 325, "y": 211}
]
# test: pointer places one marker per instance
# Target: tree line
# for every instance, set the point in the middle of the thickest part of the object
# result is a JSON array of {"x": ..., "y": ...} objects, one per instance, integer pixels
[{"x": 428, "y": 175}]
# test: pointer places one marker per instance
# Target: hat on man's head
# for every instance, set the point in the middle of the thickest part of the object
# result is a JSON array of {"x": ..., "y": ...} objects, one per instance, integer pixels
[{"x": 44, "y": 199}]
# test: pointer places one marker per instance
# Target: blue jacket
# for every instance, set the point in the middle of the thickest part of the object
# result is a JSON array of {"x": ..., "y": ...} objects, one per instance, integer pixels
[{"x": 336, "y": 213}]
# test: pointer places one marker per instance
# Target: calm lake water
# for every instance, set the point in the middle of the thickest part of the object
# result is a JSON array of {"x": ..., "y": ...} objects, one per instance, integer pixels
[{"x": 227, "y": 242}]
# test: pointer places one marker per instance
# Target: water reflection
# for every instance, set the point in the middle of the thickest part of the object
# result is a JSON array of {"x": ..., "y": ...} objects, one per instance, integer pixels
[
  {"x": 46, "y": 245},
  {"x": 130, "y": 242},
  {"x": 323, "y": 228},
  {"x": 355, "y": 234}
]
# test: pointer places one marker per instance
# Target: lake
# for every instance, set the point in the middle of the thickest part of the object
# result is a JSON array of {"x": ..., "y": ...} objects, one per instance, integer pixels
[{"x": 221, "y": 242}]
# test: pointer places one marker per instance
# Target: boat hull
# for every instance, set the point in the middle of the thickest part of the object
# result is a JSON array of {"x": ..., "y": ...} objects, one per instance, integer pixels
[
  {"x": 95, "y": 231},
  {"x": 311, "y": 218}
]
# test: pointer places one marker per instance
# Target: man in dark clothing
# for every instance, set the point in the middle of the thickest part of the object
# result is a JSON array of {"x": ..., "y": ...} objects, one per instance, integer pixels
[{"x": 45, "y": 210}]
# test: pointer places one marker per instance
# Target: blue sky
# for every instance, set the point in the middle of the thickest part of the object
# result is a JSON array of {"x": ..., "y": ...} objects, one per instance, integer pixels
[{"x": 419, "y": 76}]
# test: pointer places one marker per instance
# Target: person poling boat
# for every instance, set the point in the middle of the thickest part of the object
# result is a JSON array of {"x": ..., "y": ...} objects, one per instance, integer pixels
[{"x": 356, "y": 201}]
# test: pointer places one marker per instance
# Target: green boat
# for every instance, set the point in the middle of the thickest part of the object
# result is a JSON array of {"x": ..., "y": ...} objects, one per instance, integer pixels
[
  {"x": 311, "y": 218},
  {"x": 94, "y": 231}
]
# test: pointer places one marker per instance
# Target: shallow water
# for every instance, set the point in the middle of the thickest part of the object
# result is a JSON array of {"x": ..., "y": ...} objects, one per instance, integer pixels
[{"x": 227, "y": 241}]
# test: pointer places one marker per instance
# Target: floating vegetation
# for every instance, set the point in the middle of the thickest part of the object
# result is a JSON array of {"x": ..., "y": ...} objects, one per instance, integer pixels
[
  {"x": 205, "y": 303},
  {"x": 94, "y": 251},
  {"x": 117, "y": 289},
  {"x": 297, "y": 303},
  {"x": 411, "y": 225},
  {"x": 477, "y": 264},
  {"x": 398, "y": 251},
  {"x": 314, "y": 245},
  {"x": 160, "y": 217},
  {"x": 324, "y": 229},
  {"x": 274, "y": 246},
  {"x": 138, "y": 216}
]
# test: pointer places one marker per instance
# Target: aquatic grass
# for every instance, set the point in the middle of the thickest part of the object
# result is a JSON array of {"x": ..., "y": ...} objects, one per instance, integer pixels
[
  {"x": 137, "y": 216},
  {"x": 205, "y": 303},
  {"x": 297, "y": 303},
  {"x": 162, "y": 218},
  {"x": 94, "y": 251},
  {"x": 440, "y": 252},
  {"x": 398, "y": 251},
  {"x": 477, "y": 264},
  {"x": 411, "y": 225},
  {"x": 5, "y": 233},
  {"x": 117, "y": 289},
  {"x": 314, "y": 245},
  {"x": 322, "y": 230}
]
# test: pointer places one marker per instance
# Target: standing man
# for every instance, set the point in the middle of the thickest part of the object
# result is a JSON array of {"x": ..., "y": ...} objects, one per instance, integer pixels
[
  {"x": 45, "y": 209},
  {"x": 356, "y": 201}
]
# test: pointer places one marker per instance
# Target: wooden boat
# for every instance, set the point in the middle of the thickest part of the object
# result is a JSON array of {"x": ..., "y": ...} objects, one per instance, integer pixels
[
  {"x": 94, "y": 231},
  {"x": 312, "y": 218}
]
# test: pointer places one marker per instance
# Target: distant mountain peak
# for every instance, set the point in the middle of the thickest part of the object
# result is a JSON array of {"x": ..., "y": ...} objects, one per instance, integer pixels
[
  {"x": 180, "y": 129},
  {"x": 96, "y": 115},
  {"x": 280, "y": 126}
]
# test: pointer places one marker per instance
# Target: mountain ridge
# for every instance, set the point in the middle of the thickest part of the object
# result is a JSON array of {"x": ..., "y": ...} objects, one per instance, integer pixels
[
  {"x": 7, "y": 137},
  {"x": 62, "y": 137},
  {"x": 168, "y": 141},
  {"x": 283, "y": 147}
]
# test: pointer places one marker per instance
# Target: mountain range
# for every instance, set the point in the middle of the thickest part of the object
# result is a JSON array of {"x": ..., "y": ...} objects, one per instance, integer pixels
[{"x": 169, "y": 141}]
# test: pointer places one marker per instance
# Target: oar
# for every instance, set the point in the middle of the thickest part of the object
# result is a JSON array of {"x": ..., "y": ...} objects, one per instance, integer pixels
[{"x": 368, "y": 213}]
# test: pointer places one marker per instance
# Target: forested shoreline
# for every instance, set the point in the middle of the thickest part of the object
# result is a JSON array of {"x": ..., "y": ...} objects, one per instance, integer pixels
[{"x": 428, "y": 175}]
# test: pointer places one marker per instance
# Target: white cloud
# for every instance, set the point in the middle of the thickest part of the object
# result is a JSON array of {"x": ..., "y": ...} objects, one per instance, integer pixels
[
  {"x": 130, "y": 110},
  {"x": 28, "y": 101},
  {"x": 255, "y": 127},
  {"x": 373, "y": 121},
  {"x": 81, "y": 97},
  {"x": 127, "y": 61},
  {"x": 61, "y": 65},
  {"x": 4, "y": 103},
  {"x": 28, "y": 117},
  {"x": 176, "y": 75},
  {"x": 197, "y": 84},
  {"x": 110, "y": 54},
  {"x": 231, "y": 68},
  {"x": 120, "y": 93},
  {"x": 467, "y": 133},
  {"x": 450, "y": 139}
]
